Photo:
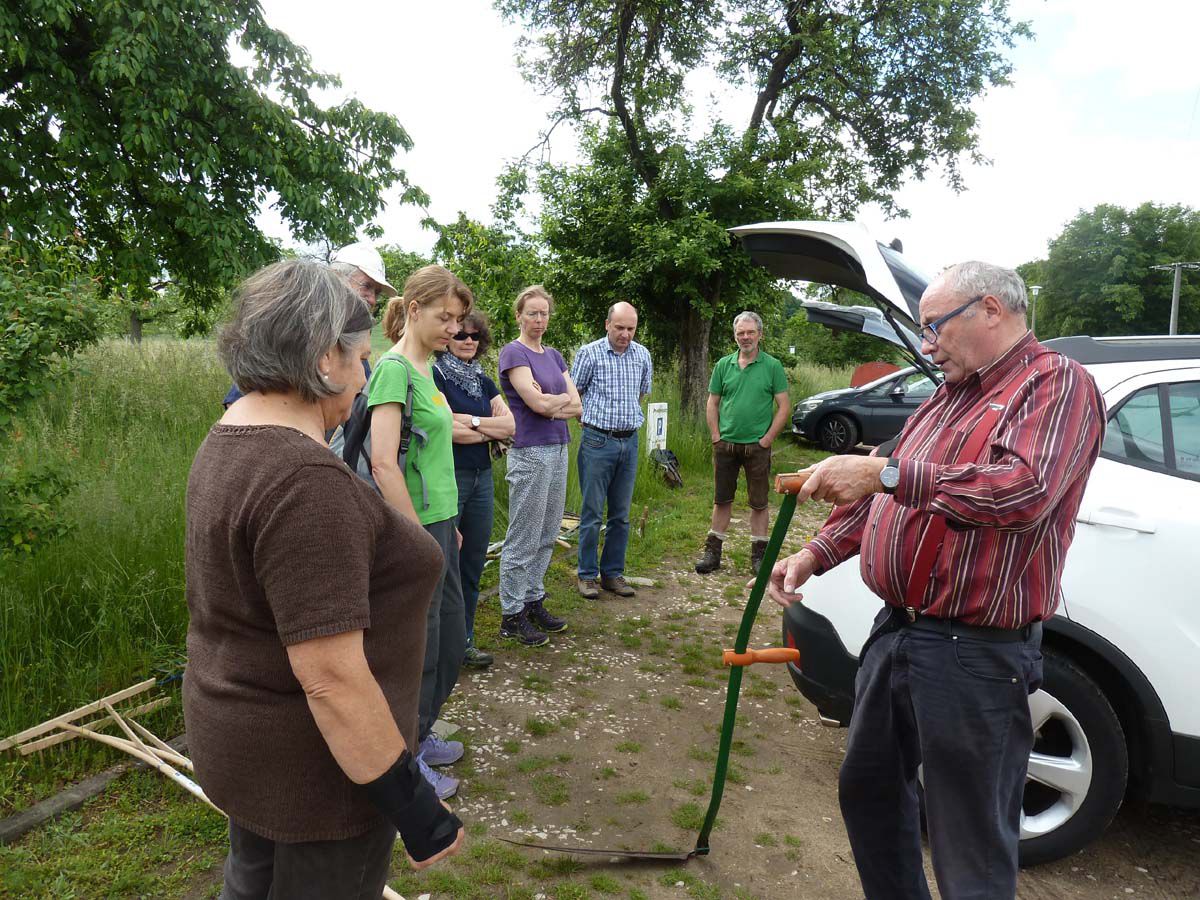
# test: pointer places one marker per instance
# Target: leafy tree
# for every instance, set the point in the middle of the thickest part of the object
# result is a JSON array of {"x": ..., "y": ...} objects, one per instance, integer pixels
[
  {"x": 46, "y": 314},
  {"x": 401, "y": 263},
  {"x": 129, "y": 127},
  {"x": 1097, "y": 278},
  {"x": 843, "y": 102},
  {"x": 497, "y": 261}
]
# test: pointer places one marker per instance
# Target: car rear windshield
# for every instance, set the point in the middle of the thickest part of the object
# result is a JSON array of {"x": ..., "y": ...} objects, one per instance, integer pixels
[{"x": 912, "y": 282}]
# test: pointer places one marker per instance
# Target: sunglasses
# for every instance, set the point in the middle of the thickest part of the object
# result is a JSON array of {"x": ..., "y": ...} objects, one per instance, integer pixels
[
  {"x": 467, "y": 336},
  {"x": 929, "y": 333}
]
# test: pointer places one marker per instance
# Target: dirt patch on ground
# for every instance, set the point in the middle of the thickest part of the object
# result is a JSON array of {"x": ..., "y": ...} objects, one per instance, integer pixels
[{"x": 607, "y": 738}]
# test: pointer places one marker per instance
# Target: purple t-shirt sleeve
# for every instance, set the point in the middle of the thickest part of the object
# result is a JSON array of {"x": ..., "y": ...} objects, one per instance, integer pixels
[{"x": 534, "y": 429}]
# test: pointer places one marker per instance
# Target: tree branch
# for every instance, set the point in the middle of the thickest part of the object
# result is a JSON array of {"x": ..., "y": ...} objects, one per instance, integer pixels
[
  {"x": 643, "y": 163},
  {"x": 544, "y": 141},
  {"x": 775, "y": 78}
]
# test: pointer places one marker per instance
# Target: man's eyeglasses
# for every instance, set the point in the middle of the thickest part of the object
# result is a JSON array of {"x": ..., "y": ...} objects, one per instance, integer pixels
[
  {"x": 929, "y": 333},
  {"x": 363, "y": 284},
  {"x": 467, "y": 336}
]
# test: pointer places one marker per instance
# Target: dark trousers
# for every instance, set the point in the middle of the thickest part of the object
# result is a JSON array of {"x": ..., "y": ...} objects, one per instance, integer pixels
[
  {"x": 354, "y": 868},
  {"x": 445, "y": 630},
  {"x": 957, "y": 706},
  {"x": 476, "y": 499}
]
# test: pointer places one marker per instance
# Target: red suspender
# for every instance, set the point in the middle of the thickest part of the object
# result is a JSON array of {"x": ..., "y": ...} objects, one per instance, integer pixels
[{"x": 935, "y": 532}]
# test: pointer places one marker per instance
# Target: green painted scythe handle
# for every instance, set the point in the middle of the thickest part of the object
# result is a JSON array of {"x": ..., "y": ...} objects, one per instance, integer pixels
[{"x": 788, "y": 485}]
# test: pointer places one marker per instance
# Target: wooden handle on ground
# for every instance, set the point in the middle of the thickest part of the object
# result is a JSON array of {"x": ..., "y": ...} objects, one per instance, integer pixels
[
  {"x": 790, "y": 482},
  {"x": 766, "y": 655}
]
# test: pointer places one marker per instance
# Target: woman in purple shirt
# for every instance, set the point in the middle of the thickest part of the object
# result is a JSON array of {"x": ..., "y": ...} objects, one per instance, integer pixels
[{"x": 542, "y": 397}]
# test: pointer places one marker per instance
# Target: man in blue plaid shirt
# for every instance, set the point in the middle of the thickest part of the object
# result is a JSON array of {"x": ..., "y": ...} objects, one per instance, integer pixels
[{"x": 613, "y": 376}]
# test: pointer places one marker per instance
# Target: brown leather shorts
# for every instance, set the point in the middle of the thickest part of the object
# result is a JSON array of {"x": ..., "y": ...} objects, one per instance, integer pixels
[{"x": 728, "y": 459}]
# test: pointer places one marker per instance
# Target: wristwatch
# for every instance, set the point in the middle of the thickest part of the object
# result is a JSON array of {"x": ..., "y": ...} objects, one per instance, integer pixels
[
  {"x": 890, "y": 476},
  {"x": 474, "y": 421}
]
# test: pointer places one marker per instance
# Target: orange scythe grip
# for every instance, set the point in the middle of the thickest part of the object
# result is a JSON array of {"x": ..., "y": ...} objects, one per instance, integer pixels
[
  {"x": 767, "y": 655},
  {"x": 790, "y": 482}
]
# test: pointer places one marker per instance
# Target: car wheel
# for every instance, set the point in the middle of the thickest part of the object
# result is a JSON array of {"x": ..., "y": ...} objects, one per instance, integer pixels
[
  {"x": 837, "y": 433},
  {"x": 1078, "y": 768}
]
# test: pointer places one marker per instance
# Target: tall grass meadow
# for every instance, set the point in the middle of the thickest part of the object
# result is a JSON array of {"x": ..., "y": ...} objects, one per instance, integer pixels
[{"x": 103, "y": 607}]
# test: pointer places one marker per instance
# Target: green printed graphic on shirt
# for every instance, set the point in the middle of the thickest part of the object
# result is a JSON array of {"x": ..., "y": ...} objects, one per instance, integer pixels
[
  {"x": 747, "y": 395},
  {"x": 437, "y": 499}
]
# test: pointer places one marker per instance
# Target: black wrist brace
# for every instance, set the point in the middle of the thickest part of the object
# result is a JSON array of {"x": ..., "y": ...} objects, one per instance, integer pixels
[{"x": 408, "y": 800}]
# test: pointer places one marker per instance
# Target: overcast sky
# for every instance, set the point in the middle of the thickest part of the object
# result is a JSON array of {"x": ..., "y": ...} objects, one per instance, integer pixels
[{"x": 1104, "y": 108}]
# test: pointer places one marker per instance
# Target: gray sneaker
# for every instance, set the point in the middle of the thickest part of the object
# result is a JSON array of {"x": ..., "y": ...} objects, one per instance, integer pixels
[
  {"x": 474, "y": 658},
  {"x": 589, "y": 588},
  {"x": 445, "y": 786},
  {"x": 437, "y": 752},
  {"x": 618, "y": 585}
]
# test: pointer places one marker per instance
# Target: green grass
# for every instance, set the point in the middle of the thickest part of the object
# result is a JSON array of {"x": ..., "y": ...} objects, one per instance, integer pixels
[
  {"x": 690, "y": 816},
  {"x": 103, "y": 607},
  {"x": 540, "y": 727},
  {"x": 534, "y": 764},
  {"x": 551, "y": 789}
]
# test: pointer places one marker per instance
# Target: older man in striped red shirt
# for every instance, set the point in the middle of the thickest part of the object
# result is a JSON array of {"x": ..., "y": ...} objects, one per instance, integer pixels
[{"x": 962, "y": 532}]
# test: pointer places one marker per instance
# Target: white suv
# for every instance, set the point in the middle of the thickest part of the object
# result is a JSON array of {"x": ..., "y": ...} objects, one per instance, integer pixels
[{"x": 1116, "y": 712}]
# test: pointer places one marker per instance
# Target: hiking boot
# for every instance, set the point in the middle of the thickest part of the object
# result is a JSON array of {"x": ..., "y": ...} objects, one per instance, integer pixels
[
  {"x": 445, "y": 786},
  {"x": 710, "y": 561},
  {"x": 758, "y": 549},
  {"x": 437, "y": 752},
  {"x": 589, "y": 588},
  {"x": 474, "y": 658},
  {"x": 540, "y": 618},
  {"x": 618, "y": 585},
  {"x": 519, "y": 628}
]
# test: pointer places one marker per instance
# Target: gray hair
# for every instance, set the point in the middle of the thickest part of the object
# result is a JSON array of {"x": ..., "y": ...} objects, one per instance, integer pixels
[
  {"x": 974, "y": 278},
  {"x": 752, "y": 316},
  {"x": 285, "y": 318}
]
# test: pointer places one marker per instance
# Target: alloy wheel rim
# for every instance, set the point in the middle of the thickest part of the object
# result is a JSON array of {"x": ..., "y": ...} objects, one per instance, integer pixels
[
  {"x": 836, "y": 432},
  {"x": 1061, "y": 767}
]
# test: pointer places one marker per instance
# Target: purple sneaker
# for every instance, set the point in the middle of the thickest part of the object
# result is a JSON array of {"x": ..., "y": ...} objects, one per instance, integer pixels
[
  {"x": 445, "y": 786},
  {"x": 437, "y": 752}
]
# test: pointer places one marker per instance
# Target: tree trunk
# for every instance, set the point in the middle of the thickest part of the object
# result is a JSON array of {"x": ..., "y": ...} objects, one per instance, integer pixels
[
  {"x": 135, "y": 327},
  {"x": 693, "y": 361}
]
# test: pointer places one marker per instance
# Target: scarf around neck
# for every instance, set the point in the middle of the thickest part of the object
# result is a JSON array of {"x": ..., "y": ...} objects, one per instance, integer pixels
[{"x": 467, "y": 375}]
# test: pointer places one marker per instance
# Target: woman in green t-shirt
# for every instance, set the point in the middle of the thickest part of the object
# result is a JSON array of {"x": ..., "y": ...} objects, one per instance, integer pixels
[{"x": 421, "y": 322}]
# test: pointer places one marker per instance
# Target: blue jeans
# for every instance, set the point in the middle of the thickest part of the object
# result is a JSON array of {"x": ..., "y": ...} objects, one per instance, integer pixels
[
  {"x": 476, "y": 498},
  {"x": 607, "y": 469}
]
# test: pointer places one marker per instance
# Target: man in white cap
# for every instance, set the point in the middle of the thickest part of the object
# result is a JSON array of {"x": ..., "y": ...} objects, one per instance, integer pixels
[{"x": 362, "y": 267}]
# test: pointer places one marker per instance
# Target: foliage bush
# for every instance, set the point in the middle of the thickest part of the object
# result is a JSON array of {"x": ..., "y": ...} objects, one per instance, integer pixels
[{"x": 46, "y": 314}]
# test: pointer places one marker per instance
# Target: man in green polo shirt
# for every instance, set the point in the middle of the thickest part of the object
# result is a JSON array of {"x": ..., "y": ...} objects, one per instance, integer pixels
[{"x": 747, "y": 408}]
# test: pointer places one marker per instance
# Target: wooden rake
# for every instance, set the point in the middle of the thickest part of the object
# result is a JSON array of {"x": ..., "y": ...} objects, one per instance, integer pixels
[{"x": 138, "y": 741}]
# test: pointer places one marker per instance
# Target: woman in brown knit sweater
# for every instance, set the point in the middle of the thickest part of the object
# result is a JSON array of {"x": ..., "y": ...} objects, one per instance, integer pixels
[{"x": 307, "y": 594}]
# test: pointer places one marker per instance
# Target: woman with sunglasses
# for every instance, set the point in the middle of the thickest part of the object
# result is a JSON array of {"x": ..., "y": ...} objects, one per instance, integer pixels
[{"x": 480, "y": 417}]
